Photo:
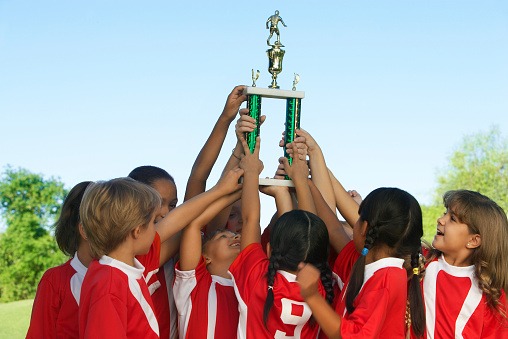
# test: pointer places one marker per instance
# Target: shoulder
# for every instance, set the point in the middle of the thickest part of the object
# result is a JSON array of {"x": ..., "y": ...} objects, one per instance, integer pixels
[{"x": 58, "y": 275}]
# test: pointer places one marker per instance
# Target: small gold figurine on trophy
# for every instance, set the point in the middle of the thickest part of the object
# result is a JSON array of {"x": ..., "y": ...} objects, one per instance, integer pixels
[
  {"x": 254, "y": 78},
  {"x": 276, "y": 53}
]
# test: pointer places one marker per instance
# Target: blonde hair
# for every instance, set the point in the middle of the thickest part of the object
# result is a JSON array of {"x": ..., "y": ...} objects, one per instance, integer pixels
[
  {"x": 484, "y": 217},
  {"x": 111, "y": 209}
]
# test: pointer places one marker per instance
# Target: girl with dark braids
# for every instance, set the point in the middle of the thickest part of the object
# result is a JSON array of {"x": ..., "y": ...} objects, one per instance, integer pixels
[
  {"x": 268, "y": 296},
  {"x": 373, "y": 302}
]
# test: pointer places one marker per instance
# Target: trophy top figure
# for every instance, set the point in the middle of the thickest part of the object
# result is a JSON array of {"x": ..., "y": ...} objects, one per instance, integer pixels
[{"x": 274, "y": 21}]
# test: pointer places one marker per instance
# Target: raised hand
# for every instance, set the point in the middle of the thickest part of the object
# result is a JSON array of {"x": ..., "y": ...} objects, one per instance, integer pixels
[
  {"x": 250, "y": 161},
  {"x": 233, "y": 102},
  {"x": 246, "y": 123},
  {"x": 308, "y": 277}
]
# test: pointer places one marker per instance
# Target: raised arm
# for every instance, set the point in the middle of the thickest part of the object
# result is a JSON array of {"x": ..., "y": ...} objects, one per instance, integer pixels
[
  {"x": 347, "y": 206},
  {"x": 337, "y": 235},
  {"x": 298, "y": 171},
  {"x": 251, "y": 231},
  {"x": 182, "y": 215},
  {"x": 318, "y": 169},
  {"x": 210, "y": 151},
  {"x": 190, "y": 249},
  {"x": 245, "y": 124}
]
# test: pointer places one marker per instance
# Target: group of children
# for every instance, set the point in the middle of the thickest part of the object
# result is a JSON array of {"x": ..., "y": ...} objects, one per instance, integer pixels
[{"x": 141, "y": 267}]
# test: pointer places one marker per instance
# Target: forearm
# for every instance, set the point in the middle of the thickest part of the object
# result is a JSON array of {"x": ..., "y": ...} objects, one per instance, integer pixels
[
  {"x": 303, "y": 193},
  {"x": 321, "y": 178},
  {"x": 190, "y": 249},
  {"x": 337, "y": 235},
  {"x": 328, "y": 320},
  {"x": 283, "y": 202},
  {"x": 251, "y": 232},
  {"x": 348, "y": 208},
  {"x": 207, "y": 158},
  {"x": 182, "y": 215},
  {"x": 169, "y": 248}
]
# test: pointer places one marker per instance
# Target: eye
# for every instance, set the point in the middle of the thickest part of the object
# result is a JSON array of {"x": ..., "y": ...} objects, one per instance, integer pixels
[{"x": 452, "y": 218}]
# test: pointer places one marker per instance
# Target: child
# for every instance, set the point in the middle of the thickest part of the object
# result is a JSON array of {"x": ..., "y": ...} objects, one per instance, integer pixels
[
  {"x": 466, "y": 276},
  {"x": 118, "y": 218},
  {"x": 204, "y": 294},
  {"x": 55, "y": 309},
  {"x": 160, "y": 285},
  {"x": 269, "y": 298},
  {"x": 373, "y": 303}
]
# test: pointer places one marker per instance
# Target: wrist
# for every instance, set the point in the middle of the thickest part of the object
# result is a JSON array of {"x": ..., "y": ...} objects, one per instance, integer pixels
[{"x": 226, "y": 117}]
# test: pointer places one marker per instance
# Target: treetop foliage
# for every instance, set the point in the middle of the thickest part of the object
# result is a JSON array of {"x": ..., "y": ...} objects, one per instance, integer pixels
[{"x": 28, "y": 204}]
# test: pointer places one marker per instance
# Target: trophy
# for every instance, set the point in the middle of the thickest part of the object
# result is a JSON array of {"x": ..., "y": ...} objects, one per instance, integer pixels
[{"x": 293, "y": 97}]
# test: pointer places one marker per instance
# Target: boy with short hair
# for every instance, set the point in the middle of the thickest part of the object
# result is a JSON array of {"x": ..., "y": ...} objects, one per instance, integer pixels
[{"x": 118, "y": 218}]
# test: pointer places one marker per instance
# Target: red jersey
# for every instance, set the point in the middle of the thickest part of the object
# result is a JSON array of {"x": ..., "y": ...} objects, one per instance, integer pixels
[
  {"x": 207, "y": 305},
  {"x": 455, "y": 307},
  {"x": 380, "y": 307},
  {"x": 55, "y": 309},
  {"x": 115, "y": 302},
  {"x": 164, "y": 302},
  {"x": 290, "y": 314}
]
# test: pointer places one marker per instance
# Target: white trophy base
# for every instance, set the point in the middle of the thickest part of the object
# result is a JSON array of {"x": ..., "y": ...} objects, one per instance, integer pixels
[
  {"x": 273, "y": 182},
  {"x": 276, "y": 182},
  {"x": 274, "y": 93}
]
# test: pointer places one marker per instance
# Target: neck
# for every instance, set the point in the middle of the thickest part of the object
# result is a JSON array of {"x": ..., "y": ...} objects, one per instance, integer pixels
[
  {"x": 378, "y": 252},
  {"x": 461, "y": 259},
  {"x": 84, "y": 254},
  {"x": 218, "y": 270},
  {"x": 123, "y": 254}
]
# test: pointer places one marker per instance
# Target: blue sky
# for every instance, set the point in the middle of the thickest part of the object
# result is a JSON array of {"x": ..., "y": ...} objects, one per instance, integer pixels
[{"x": 91, "y": 89}]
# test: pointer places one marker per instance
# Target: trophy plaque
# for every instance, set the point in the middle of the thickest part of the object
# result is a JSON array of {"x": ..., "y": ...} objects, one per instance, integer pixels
[{"x": 293, "y": 98}]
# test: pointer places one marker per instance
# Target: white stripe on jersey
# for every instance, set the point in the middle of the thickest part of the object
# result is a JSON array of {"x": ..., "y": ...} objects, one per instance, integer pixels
[{"x": 77, "y": 278}]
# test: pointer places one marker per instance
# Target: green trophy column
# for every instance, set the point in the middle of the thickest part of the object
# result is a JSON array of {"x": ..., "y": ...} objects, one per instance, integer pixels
[
  {"x": 254, "y": 106},
  {"x": 293, "y": 111}
]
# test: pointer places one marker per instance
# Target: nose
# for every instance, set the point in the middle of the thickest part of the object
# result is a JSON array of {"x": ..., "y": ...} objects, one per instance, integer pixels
[
  {"x": 440, "y": 220},
  {"x": 237, "y": 236}
]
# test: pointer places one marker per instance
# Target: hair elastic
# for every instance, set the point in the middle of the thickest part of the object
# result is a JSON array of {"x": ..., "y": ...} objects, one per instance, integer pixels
[
  {"x": 270, "y": 287},
  {"x": 365, "y": 251},
  {"x": 416, "y": 271}
]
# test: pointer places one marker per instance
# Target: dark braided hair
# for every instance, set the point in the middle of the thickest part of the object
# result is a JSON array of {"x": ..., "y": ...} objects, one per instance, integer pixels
[
  {"x": 394, "y": 218},
  {"x": 298, "y": 236},
  {"x": 149, "y": 174}
]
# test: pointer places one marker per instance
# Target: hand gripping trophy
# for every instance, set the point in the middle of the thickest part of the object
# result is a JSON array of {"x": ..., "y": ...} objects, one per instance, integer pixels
[{"x": 293, "y": 98}]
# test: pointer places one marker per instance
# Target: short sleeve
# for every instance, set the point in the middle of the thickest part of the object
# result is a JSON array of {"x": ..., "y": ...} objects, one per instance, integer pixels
[
  {"x": 345, "y": 261},
  {"x": 45, "y": 309},
  {"x": 248, "y": 268}
]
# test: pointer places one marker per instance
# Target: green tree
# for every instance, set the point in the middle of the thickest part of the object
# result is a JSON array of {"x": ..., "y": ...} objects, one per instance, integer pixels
[
  {"x": 479, "y": 163},
  {"x": 28, "y": 204}
]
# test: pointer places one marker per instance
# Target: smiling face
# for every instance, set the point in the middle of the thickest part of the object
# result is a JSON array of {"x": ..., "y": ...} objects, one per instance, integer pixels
[
  {"x": 167, "y": 190},
  {"x": 222, "y": 248},
  {"x": 453, "y": 237}
]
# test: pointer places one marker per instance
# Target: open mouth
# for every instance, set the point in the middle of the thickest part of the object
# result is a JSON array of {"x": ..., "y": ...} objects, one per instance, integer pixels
[
  {"x": 439, "y": 232},
  {"x": 235, "y": 244}
]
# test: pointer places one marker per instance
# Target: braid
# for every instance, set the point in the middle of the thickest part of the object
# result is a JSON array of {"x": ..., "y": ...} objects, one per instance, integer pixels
[
  {"x": 327, "y": 281},
  {"x": 273, "y": 267},
  {"x": 356, "y": 277},
  {"x": 415, "y": 297}
]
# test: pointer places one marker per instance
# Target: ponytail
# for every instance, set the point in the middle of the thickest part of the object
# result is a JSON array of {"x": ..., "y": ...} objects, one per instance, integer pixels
[
  {"x": 415, "y": 298},
  {"x": 356, "y": 278}
]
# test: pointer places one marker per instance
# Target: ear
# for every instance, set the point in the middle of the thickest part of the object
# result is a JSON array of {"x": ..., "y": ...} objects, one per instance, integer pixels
[
  {"x": 208, "y": 260},
  {"x": 268, "y": 250},
  {"x": 363, "y": 228},
  {"x": 136, "y": 232},
  {"x": 82, "y": 231},
  {"x": 475, "y": 240}
]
